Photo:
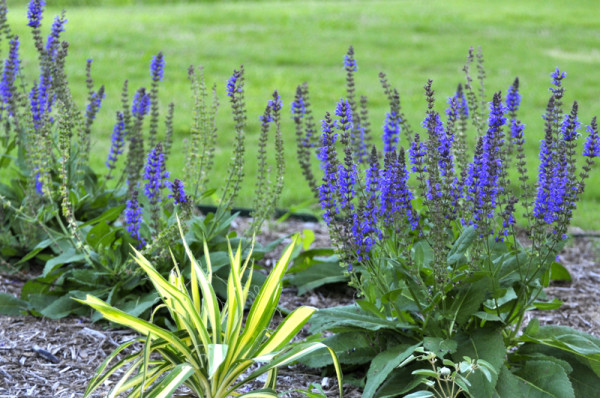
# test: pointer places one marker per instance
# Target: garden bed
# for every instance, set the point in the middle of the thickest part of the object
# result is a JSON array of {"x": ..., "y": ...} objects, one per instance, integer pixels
[{"x": 77, "y": 347}]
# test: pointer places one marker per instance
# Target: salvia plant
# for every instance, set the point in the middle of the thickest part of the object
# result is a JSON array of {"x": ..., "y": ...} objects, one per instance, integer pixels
[
  {"x": 428, "y": 234},
  {"x": 214, "y": 350},
  {"x": 80, "y": 223}
]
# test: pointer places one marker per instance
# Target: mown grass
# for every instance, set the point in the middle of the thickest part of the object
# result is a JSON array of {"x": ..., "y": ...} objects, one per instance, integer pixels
[{"x": 283, "y": 44}]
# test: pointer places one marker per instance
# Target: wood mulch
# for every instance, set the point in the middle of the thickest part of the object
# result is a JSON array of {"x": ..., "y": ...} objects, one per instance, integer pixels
[{"x": 56, "y": 358}]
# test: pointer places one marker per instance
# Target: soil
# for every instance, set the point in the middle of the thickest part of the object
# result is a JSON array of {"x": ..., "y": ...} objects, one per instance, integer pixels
[{"x": 57, "y": 358}]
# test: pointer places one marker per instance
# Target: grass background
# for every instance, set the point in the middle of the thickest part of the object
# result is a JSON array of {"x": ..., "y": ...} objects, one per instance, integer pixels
[{"x": 285, "y": 43}]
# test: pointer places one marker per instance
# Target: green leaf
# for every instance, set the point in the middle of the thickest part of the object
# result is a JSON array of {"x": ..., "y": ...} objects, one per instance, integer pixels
[
  {"x": 583, "y": 379},
  {"x": 440, "y": 346},
  {"x": 420, "y": 394},
  {"x": 486, "y": 344},
  {"x": 566, "y": 339},
  {"x": 383, "y": 364},
  {"x": 423, "y": 254},
  {"x": 108, "y": 216},
  {"x": 545, "y": 379},
  {"x": 38, "y": 248},
  {"x": 12, "y": 306},
  {"x": 558, "y": 272},
  {"x": 351, "y": 317},
  {"x": 60, "y": 308},
  {"x": 509, "y": 385},
  {"x": 461, "y": 245},
  {"x": 352, "y": 348},
  {"x": 69, "y": 256},
  {"x": 318, "y": 274},
  {"x": 551, "y": 305},
  {"x": 469, "y": 300}
]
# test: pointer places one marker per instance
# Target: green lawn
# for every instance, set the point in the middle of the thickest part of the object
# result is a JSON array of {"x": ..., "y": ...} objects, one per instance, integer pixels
[{"x": 282, "y": 44}]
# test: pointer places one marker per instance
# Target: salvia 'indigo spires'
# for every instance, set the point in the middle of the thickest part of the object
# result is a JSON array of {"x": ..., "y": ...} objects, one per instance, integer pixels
[
  {"x": 349, "y": 61},
  {"x": 485, "y": 170},
  {"x": 391, "y": 131},
  {"x": 157, "y": 67},
  {"x": 232, "y": 84},
  {"x": 133, "y": 219},
  {"x": 118, "y": 141},
  {"x": 591, "y": 148},
  {"x": 156, "y": 174},
  {"x": 177, "y": 191},
  {"x": 298, "y": 106},
  {"x": 570, "y": 125},
  {"x": 460, "y": 107},
  {"x": 38, "y": 184},
  {"x": 9, "y": 74},
  {"x": 58, "y": 26},
  {"x": 542, "y": 207},
  {"x": 344, "y": 112},
  {"x": 95, "y": 103},
  {"x": 141, "y": 103},
  {"x": 35, "y": 13},
  {"x": 328, "y": 157},
  {"x": 513, "y": 98},
  {"x": 557, "y": 77}
]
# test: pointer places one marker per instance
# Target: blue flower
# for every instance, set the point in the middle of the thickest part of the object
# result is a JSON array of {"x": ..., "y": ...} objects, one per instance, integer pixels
[
  {"x": 177, "y": 191},
  {"x": 117, "y": 141},
  {"x": 10, "y": 72},
  {"x": 35, "y": 13},
  {"x": 328, "y": 158},
  {"x": 141, "y": 103},
  {"x": 298, "y": 106},
  {"x": 458, "y": 104},
  {"x": 591, "y": 148},
  {"x": 391, "y": 131},
  {"x": 349, "y": 61},
  {"x": 58, "y": 26},
  {"x": 133, "y": 219},
  {"x": 344, "y": 112},
  {"x": 570, "y": 125},
  {"x": 233, "y": 85},
  {"x": 157, "y": 67},
  {"x": 513, "y": 98},
  {"x": 156, "y": 174}
]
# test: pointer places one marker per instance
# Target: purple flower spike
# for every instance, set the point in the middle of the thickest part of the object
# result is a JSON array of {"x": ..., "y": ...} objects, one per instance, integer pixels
[
  {"x": 232, "y": 84},
  {"x": 155, "y": 173},
  {"x": 133, "y": 219},
  {"x": 591, "y": 148},
  {"x": 10, "y": 72},
  {"x": 157, "y": 67},
  {"x": 118, "y": 141},
  {"x": 349, "y": 61},
  {"x": 177, "y": 191},
  {"x": 35, "y": 13},
  {"x": 141, "y": 103},
  {"x": 58, "y": 26}
]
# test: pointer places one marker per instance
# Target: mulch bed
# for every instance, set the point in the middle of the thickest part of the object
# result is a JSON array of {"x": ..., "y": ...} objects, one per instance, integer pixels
[{"x": 56, "y": 358}]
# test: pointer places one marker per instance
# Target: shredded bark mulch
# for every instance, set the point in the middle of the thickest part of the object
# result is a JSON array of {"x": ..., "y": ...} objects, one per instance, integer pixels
[{"x": 57, "y": 358}]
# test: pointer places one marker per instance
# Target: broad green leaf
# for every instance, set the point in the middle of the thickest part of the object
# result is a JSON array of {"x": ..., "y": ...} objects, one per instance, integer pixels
[
  {"x": 69, "y": 256},
  {"x": 583, "y": 379},
  {"x": 352, "y": 348},
  {"x": 545, "y": 379},
  {"x": 108, "y": 216},
  {"x": 509, "y": 385},
  {"x": 486, "y": 344},
  {"x": 12, "y": 306},
  {"x": 38, "y": 248},
  {"x": 383, "y": 364},
  {"x": 462, "y": 244},
  {"x": 550, "y": 305},
  {"x": 318, "y": 274},
  {"x": 351, "y": 317},
  {"x": 420, "y": 394},
  {"x": 440, "y": 346},
  {"x": 558, "y": 272},
  {"x": 60, "y": 308}
]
